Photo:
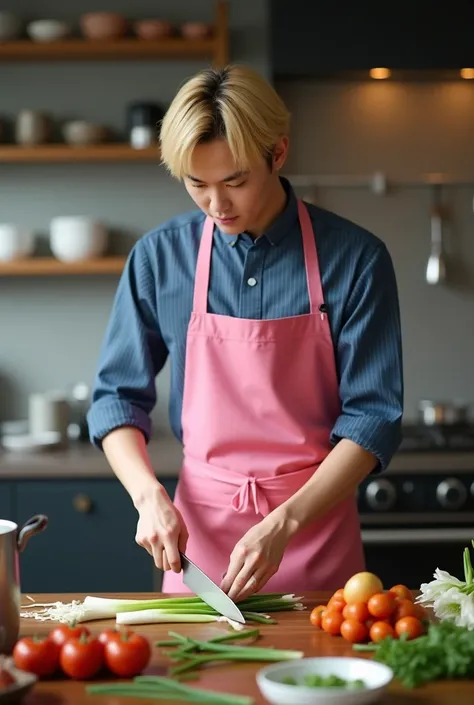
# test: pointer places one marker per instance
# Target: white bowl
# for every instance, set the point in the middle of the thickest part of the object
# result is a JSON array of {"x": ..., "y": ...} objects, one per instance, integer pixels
[
  {"x": 10, "y": 26},
  {"x": 77, "y": 238},
  {"x": 80, "y": 132},
  {"x": 47, "y": 30},
  {"x": 15, "y": 242},
  {"x": 375, "y": 675}
]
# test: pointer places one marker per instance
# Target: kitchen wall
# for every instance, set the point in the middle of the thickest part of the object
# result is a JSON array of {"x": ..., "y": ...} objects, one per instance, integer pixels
[{"x": 51, "y": 329}]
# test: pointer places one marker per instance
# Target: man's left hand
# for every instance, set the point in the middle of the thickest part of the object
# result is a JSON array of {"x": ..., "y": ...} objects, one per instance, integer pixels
[{"x": 256, "y": 557}]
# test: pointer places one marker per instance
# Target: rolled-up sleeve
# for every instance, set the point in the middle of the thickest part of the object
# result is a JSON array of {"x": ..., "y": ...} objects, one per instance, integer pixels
[
  {"x": 369, "y": 360},
  {"x": 133, "y": 353}
]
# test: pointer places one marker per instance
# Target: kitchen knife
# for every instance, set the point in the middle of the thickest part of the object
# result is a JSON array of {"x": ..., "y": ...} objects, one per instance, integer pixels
[{"x": 199, "y": 583}]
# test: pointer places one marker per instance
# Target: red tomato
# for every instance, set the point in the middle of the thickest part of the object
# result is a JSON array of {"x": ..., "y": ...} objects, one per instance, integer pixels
[
  {"x": 336, "y": 604},
  {"x": 127, "y": 656},
  {"x": 316, "y": 616},
  {"x": 354, "y": 631},
  {"x": 401, "y": 592},
  {"x": 331, "y": 622},
  {"x": 379, "y": 631},
  {"x": 36, "y": 655},
  {"x": 404, "y": 608},
  {"x": 356, "y": 610},
  {"x": 82, "y": 658},
  {"x": 339, "y": 594},
  {"x": 381, "y": 605},
  {"x": 63, "y": 632},
  {"x": 111, "y": 634},
  {"x": 411, "y": 626}
]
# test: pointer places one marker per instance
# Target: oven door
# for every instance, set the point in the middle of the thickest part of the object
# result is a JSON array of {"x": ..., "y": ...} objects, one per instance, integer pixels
[{"x": 411, "y": 555}]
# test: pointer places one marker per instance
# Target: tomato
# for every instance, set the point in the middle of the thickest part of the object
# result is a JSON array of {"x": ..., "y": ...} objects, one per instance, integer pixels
[
  {"x": 362, "y": 586},
  {"x": 356, "y": 610},
  {"x": 404, "y": 608},
  {"x": 127, "y": 656},
  {"x": 63, "y": 632},
  {"x": 316, "y": 616},
  {"x": 82, "y": 658},
  {"x": 381, "y": 605},
  {"x": 379, "y": 631},
  {"x": 339, "y": 594},
  {"x": 336, "y": 604},
  {"x": 409, "y": 626},
  {"x": 331, "y": 622},
  {"x": 401, "y": 591},
  {"x": 354, "y": 631},
  {"x": 36, "y": 655},
  {"x": 111, "y": 634}
]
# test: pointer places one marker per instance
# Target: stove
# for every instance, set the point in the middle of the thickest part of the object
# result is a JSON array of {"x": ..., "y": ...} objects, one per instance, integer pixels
[{"x": 418, "y": 515}]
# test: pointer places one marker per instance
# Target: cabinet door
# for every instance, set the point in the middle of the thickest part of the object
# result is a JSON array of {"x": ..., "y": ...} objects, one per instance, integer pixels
[
  {"x": 89, "y": 544},
  {"x": 6, "y": 500}
]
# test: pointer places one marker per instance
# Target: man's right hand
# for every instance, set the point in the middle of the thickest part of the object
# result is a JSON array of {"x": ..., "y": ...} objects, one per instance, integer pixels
[{"x": 161, "y": 529}]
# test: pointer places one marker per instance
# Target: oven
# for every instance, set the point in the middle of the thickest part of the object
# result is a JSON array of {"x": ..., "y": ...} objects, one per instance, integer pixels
[{"x": 419, "y": 514}]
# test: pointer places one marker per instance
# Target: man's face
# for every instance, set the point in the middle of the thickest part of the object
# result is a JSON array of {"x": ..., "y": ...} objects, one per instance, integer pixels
[{"x": 236, "y": 200}]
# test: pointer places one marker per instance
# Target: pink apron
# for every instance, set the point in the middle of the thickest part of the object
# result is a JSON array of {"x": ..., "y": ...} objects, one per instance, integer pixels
[{"x": 260, "y": 400}]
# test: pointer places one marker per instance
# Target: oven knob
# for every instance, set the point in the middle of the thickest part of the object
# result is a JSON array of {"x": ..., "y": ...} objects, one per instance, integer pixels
[
  {"x": 451, "y": 493},
  {"x": 380, "y": 495}
]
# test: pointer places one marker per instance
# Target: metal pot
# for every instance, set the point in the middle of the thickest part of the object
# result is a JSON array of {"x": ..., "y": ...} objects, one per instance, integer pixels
[
  {"x": 435, "y": 413},
  {"x": 12, "y": 541}
]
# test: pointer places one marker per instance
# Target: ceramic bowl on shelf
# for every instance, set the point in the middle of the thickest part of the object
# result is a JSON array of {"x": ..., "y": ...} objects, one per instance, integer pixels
[
  {"x": 81, "y": 133},
  {"x": 47, "y": 30},
  {"x": 10, "y": 26},
  {"x": 153, "y": 29},
  {"x": 375, "y": 676},
  {"x": 196, "y": 30},
  {"x": 103, "y": 25},
  {"x": 77, "y": 238},
  {"x": 15, "y": 242}
]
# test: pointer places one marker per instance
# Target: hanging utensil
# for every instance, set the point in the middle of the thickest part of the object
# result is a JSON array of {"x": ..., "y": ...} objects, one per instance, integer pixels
[{"x": 436, "y": 267}]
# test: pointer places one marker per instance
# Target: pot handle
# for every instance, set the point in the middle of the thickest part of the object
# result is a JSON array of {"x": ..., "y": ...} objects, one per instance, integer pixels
[{"x": 34, "y": 525}]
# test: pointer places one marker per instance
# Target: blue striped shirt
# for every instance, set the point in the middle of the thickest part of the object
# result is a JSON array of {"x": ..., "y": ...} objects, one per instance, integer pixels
[{"x": 153, "y": 304}]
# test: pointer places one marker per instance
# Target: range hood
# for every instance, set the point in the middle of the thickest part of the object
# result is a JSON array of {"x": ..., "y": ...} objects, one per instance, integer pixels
[{"x": 405, "y": 40}]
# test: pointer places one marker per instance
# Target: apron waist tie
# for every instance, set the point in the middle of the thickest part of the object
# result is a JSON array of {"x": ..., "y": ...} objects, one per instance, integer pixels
[{"x": 251, "y": 494}]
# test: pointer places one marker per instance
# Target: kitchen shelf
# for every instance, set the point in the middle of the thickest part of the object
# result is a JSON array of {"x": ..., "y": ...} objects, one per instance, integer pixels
[
  {"x": 106, "y": 152},
  {"x": 214, "y": 47},
  {"x": 47, "y": 266}
]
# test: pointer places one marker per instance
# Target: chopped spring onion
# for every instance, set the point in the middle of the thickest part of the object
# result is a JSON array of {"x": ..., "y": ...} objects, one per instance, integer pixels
[{"x": 166, "y": 617}]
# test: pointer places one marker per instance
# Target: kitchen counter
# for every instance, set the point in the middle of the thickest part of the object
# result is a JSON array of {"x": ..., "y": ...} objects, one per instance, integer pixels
[
  {"x": 293, "y": 631},
  {"x": 82, "y": 460}
]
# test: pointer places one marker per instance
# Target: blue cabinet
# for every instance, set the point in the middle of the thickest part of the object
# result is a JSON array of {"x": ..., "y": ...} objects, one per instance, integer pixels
[
  {"x": 6, "y": 500},
  {"x": 89, "y": 545}
]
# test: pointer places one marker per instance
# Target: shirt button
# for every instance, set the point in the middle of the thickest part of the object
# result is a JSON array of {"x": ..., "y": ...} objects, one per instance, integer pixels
[{"x": 251, "y": 281}]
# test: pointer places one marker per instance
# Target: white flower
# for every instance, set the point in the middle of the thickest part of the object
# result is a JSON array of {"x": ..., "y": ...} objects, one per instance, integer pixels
[
  {"x": 466, "y": 618},
  {"x": 443, "y": 582}
]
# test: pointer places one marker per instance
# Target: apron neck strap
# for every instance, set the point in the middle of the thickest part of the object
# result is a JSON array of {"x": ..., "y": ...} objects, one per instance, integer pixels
[{"x": 313, "y": 278}]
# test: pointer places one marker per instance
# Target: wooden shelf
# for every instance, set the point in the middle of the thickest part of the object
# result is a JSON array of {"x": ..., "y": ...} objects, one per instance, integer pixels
[
  {"x": 47, "y": 266},
  {"x": 65, "y": 153},
  {"x": 214, "y": 48}
]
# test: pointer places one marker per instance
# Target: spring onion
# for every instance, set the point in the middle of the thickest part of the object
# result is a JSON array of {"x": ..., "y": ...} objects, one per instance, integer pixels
[{"x": 159, "y": 687}]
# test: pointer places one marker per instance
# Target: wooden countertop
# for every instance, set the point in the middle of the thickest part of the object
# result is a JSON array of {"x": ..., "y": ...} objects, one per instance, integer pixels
[{"x": 293, "y": 631}]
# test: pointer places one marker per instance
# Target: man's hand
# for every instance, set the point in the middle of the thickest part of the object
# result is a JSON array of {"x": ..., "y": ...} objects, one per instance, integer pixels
[{"x": 256, "y": 557}]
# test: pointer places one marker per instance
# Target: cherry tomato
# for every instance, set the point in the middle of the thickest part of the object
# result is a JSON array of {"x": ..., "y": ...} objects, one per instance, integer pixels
[
  {"x": 354, "y": 631},
  {"x": 339, "y": 594},
  {"x": 316, "y": 616},
  {"x": 82, "y": 658},
  {"x": 401, "y": 592},
  {"x": 37, "y": 655},
  {"x": 381, "y": 605},
  {"x": 411, "y": 626},
  {"x": 336, "y": 604},
  {"x": 331, "y": 622},
  {"x": 379, "y": 631},
  {"x": 356, "y": 610},
  {"x": 63, "y": 632},
  {"x": 404, "y": 608},
  {"x": 111, "y": 634},
  {"x": 127, "y": 656}
]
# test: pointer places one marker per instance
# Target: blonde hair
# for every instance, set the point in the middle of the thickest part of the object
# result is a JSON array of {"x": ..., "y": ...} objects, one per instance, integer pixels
[{"x": 236, "y": 104}]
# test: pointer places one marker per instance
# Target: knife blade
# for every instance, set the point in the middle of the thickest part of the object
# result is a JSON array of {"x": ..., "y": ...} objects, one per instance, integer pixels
[{"x": 210, "y": 593}]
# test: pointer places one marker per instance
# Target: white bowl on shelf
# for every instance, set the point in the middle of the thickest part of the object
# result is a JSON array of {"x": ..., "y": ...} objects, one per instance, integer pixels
[
  {"x": 47, "y": 30},
  {"x": 15, "y": 242},
  {"x": 376, "y": 677},
  {"x": 77, "y": 238}
]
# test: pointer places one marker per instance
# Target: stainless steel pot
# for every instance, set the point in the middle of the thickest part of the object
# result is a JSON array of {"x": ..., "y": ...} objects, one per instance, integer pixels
[
  {"x": 12, "y": 541},
  {"x": 435, "y": 413}
]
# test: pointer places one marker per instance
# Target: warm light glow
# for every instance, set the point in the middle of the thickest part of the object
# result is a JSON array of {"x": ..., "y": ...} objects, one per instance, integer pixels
[
  {"x": 380, "y": 73},
  {"x": 467, "y": 73}
]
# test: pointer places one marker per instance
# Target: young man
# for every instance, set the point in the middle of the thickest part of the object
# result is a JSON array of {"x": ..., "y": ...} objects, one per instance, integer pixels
[{"x": 281, "y": 321}]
